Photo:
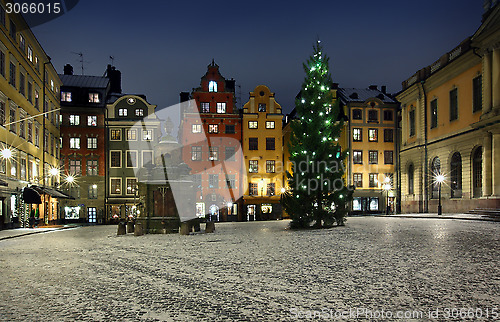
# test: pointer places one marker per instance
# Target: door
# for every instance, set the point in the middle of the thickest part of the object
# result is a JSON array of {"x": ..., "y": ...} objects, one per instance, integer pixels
[{"x": 92, "y": 215}]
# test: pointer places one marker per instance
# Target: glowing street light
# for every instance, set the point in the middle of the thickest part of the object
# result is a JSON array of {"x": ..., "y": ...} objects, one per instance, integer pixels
[
  {"x": 54, "y": 172},
  {"x": 6, "y": 153},
  {"x": 70, "y": 179},
  {"x": 387, "y": 187},
  {"x": 439, "y": 180}
]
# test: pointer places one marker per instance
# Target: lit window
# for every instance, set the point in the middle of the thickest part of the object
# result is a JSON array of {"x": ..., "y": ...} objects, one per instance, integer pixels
[
  {"x": 205, "y": 107},
  {"x": 372, "y": 157},
  {"x": 131, "y": 135},
  {"x": 75, "y": 167},
  {"x": 221, "y": 107},
  {"x": 262, "y": 107},
  {"x": 66, "y": 97},
  {"x": 357, "y": 157},
  {"x": 372, "y": 135},
  {"x": 270, "y": 166},
  {"x": 269, "y": 124},
  {"x": 212, "y": 86},
  {"x": 357, "y": 135},
  {"x": 92, "y": 191},
  {"x": 196, "y": 153},
  {"x": 253, "y": 124},
  {"x": 213, "y": 128},
  {"x": 22, "y": 42},
  {"x": 122, "y": 112},
  {"x": 271, "y": 191},
  {"x": 74, "y": 120},
  {"x": 116, "y": 186},
  {"x": 30, "y": 54},
  {"x": 92, "y": 167},
  {"x": 358, "y": 180},
  {"x": 139, "y": 112},
  {"x": 253, "y": 190},
  {"x": 373, "y": 180},
  {"x": 213, "y": 154},
  {"x": 74, "y": 143},
  {"x": 131, "y": 186},
  {"x": 253, "y": 166},
  {"x": 92, "y": 120},
  {"x": 147, "y": 135},
  {"x": 196, "y": 128},
  {"x": 91, "y": 143},
  {"x": 116, "y": 135},
  {"x": 94, "y": 98}
]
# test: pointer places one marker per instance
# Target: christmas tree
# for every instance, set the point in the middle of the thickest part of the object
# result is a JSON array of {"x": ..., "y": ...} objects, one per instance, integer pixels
[{"x": 317, "y": 193}]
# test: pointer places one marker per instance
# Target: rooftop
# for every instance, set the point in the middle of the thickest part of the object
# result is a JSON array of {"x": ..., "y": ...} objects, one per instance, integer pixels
[{"x": 84, "y": 81}]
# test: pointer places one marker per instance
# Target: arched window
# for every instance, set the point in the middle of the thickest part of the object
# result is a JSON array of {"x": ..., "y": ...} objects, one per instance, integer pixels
[
  {"x": 435, "y": 171},
  {"x": 411, "y": 184},
  {"x": 212, "y": 86},
  {"x": 477, "y": 173},
  {"x": 456, "y": 175}
]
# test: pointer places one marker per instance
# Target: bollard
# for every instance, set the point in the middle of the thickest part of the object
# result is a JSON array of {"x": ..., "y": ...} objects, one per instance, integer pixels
[
  {"x": 121, "y": 228},
  {"x": 196, "y": 225},
  {"x": 185, "y": 228},
  {"x": 138, "y": 229},
  {"x": 130, "y": 227},
  {"x": 210, "y": 228}
]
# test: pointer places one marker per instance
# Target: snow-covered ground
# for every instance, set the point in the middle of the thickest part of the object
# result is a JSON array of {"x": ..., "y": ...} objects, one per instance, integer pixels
[{"x": 255, "y": 271}]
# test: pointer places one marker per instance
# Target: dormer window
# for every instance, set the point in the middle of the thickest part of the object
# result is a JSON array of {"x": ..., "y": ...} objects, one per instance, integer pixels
[
  {"x": 122, "y": 112},
  {"x": 212, "y": 86},
  {"x": 139, "y": 112},
  {"x": 65, "y": 97},
  {"x": 262, "y": 107},
  {"x": 94, "y": 98}
]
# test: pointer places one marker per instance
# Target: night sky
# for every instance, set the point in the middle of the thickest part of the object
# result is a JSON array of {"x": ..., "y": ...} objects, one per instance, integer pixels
[{"x": 164, "y": 47}]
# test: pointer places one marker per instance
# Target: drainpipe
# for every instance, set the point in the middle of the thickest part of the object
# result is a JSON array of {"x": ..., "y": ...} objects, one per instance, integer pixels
[{"x": 426, "y": 156}]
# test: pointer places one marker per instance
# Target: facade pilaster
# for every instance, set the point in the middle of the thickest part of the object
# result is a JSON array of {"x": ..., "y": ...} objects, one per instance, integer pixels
[{"x": 487, "y": 158}]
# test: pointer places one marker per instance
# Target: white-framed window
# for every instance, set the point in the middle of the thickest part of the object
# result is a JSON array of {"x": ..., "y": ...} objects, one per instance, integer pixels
[
  {"x": 212, "y": 86},
  {"x": 115, "y": 159},
  {"x": 132, "y": 159},
  {"x": 131, "y": 186},
  {"x": 213, "y": 128},
  {"x": 94, "y": 98},
  {"x": 196, "y": 128},
  {"x": 221, "y": 108},
  {"x": 74, "y": 143},
  {"x": 92, "y": 120},
  {"x": 139, "y": 112},
  {"x": 115, "y": 186},
  {"x": 147, "y": 135},
  {"x": 74, "y": 120},
  {"x": 269, "y": 124},
  {"x": 131, "y": 135},
  {"x": 116, "y": 135},
  {"x": 253, "y": 124},
  {"x": 91, "y": 143},
  {"x": 122, "y": 112},
  {"x": 66, "y": 97}
]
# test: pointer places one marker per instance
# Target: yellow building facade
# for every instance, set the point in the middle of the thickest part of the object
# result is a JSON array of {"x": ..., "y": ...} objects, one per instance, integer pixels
[
  {"x": 450, "y": 126},
  {"x": 29, "y": 124},
  {"x": 262, "y": 142}
]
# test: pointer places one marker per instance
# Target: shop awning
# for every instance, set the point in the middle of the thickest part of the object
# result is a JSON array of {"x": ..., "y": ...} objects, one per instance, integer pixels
[
  {"x": 31, "y": 196},
  {"x": 53, "y": 193}
]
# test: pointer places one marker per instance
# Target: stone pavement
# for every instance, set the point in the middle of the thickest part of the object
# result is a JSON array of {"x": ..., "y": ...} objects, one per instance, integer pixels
[
  {"x": 256, "y": 271},
  {"x": 19, "y": 232},
  {"x": 445, "y": 216}
]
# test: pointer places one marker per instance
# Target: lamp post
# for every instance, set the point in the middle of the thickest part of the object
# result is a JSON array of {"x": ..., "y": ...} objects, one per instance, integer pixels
[
  {"x": 440, "y": 179},
  {"x": 387, "y": 187}
]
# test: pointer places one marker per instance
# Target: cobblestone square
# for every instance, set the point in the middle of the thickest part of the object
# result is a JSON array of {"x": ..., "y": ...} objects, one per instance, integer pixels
[{"x": 256, "y": 271}]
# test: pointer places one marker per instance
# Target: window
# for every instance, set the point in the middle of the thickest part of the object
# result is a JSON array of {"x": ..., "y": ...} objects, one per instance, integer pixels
[
  {"x": 477, "y": 173},
  {"x": 221, "y": 107},
  {"x": 454, "y": 104},
  {"x": 434, "y": 113},
  {"x": 253, "y": 124},
  {"x": 270, "y": 144},
  {"x": 435, "y": 171},
  {"x": 388, "y": 135},
  {"x": 37, "y": 134},
  {"x": 252, "y": 189},
  {"x": 94, "y": 98},
  {"x": 116, "y": 134},
  {"x": 2, "y": 63},
  {"x": 230, "y": 129},
  {"x": 357, "y": 157},
  {"x": 411, "y": 172},
  {"x": 196, "y": 128},
  {"x": 116, "y": 186},
  {"x": 373, "y": 180},
  {"x": 12, "y": 117},
  {"x": 197, "y": 180},
  {"x": 213, "y": 154},
  {"x": 30, "y": 92},
  {"x": 147, "y": 135},
  {"x": 372, "y": 157},
  {"x": 372, "y": 135},
  {"x": 131, "y": 159},
  {"x": 270, "y": 166},
  {"x": 213, "y": 181},
  {"x": 262, "y": 107},
  {"x": 12, "y": 78},
  {"x": 131, "y": 186},
  {"x": 205, "y": 107},
  {"x": 30, "y": 131},
  {"x": 75, "y": 167},
  {"x": 388, "y": 115},
  {"x": 357, "y": 114},
  {"x": 131, "y": 135},
  {"x": 13, "y": 29},
  {"x": 212, "y": 86},
  {"x": 231, "y": 181},
  {"x": 37, "y": 100},
  {"x": 253, "y": 166},
  {"x": 357, "y": 135},
  {"x": 269, "y": 124},
  {"x": 271, "y": 189},
  {"x": 22, "y": 42},
  {"x": 93, "y": 191},
  {"x": 230, "y": 153},
  {"x": 74, "y": 120},
  {"x": 22, "y": 171},
  {"x": 116, "y": 159},
  {"x": 358, "y": 180},
  {"x": 456, "y": 175},
  {"x": 22, "y": 84},
  {"x": 22, "y": 126},
  {"x": 388, "y": 157},
  {"x": 139, "y": 112},
  {"x": 92, "y": 120},
  {"x": 374, "y": 204},
  {"x": 253, "y": 143},
  {"x": 30, "y": 54},
  {"x": 122, "y": 112},
  {"x": 91, "y": 143},
  {"x": 92, "y": 168},
  {"x": 196, "y": 153},
  {"x": 74, "y": 143},
  {"x": 147, "y": 158},
  {"x": 2, "y": 113},
  {"x": 412, "y": 122},
  {"x": 477, "y": 94},
  {"x": 372, "y": 116},
  {"x": 213, "y": 128}
]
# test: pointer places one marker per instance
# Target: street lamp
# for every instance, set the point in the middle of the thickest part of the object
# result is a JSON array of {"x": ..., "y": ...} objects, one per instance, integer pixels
[
  {"x": 439, "y": 180},
  {"x": 387, "y": 188}
]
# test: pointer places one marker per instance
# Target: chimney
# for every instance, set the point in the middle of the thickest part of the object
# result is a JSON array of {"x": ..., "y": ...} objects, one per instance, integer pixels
[
  {"x": 184, "y": 97},
  {"x": 335, "y": 85},
  {"x": 68, "y": 69},
  {"x": 384, "y": 89},
  {"x": 115, "y": 79},
  {"x": 231, "y": 85},
  {"x": 373, "y": 87}
]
